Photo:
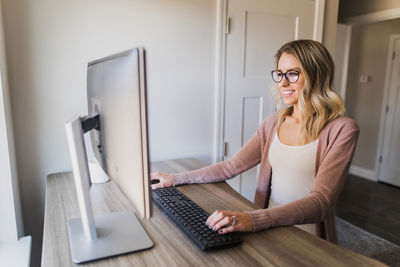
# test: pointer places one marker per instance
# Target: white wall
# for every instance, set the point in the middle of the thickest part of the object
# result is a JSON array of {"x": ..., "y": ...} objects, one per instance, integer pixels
[
  {"x": 11, "y": 227},
  {"x": 48, "y": 46}
]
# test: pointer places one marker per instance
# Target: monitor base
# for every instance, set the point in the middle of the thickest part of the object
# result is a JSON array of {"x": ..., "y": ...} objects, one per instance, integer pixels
[{"x": 117, "y": 233}]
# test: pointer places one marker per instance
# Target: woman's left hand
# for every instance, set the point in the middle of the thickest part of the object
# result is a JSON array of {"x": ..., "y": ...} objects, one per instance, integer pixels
[{"x": 226, "y": 221}]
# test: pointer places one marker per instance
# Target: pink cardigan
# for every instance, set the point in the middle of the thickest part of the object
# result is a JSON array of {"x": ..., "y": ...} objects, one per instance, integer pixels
[{"x": 336, "y": 145}]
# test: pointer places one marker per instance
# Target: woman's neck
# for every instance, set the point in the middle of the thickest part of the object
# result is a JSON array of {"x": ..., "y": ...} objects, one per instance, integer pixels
[{"x": 296, "y": 113}]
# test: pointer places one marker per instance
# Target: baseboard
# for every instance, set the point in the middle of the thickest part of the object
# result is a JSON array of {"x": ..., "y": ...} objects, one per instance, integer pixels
[{"x": 362, "y": 172}]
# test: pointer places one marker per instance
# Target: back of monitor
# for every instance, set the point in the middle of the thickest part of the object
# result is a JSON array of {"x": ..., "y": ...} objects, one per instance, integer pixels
[{"x": 116, "y": 91}]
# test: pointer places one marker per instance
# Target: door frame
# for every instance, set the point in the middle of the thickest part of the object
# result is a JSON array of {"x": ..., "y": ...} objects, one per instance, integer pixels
[
  {"x": 222, "y": 27},
  {"x": 385, "y": 102},
  {"x": 219, "y": 108},
  {"x": 346, "y": 58}
]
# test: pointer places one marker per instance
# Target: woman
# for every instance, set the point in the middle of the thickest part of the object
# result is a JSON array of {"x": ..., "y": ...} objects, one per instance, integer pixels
[{"x": 304, "y": 151}]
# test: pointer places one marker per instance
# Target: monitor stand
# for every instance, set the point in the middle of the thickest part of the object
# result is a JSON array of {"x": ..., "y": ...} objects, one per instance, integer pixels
[{"x": 96, "y": 237}]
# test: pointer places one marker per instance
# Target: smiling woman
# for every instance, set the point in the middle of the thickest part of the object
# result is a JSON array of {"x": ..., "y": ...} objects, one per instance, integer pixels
[
  {"x": 310, "y": 99},
  {"x": 304, "y": 151}
]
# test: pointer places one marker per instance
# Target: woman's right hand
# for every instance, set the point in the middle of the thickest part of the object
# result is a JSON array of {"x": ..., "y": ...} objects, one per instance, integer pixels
[{"x": 165, "y": 180}]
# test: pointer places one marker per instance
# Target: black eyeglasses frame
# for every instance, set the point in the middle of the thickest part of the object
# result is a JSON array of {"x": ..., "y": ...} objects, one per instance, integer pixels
[{"x": 285, "y": 75}]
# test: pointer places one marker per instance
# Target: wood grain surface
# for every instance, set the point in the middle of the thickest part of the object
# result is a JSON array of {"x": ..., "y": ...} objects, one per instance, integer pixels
[{"x": 282, "y": 246}]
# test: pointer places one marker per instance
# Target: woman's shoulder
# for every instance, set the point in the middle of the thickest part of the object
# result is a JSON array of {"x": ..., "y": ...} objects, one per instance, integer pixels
[
  {"x": 342, "y": 124},
  {"x": 269, "y": 121},
  {"x": 267, "y": 126},
  {"x": 271, "y": 118}
]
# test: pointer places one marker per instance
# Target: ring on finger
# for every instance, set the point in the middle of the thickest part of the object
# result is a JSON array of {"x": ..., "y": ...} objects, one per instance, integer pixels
[{"x": 233, "y": 220}]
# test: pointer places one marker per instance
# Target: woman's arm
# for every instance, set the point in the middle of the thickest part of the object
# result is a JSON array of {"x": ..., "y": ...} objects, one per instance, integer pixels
[
  {"x": 329, "y": 181},
  {"x": 247, "y": 157}
]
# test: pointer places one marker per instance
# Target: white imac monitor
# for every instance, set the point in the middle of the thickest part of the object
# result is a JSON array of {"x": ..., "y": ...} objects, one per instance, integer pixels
[{"x": 118, "y": 128}]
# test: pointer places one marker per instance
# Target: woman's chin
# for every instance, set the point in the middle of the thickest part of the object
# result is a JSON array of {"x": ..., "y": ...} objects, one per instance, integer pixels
[{"x": 288, "y": 102}]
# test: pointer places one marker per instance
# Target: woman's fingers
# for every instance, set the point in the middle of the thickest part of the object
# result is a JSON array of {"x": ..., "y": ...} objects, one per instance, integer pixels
[
  {"x": 155, "y": 175},
  {"x": 219, "y": 219},
  {"x": 160, "y": 180},
  {"x": 229, "y": 221},
  {"x": 226, "y": 230},
  {"x": 215, "y": 217},
  {"x": 156, "y": 186},
  {"x": 224, "y": 222}
]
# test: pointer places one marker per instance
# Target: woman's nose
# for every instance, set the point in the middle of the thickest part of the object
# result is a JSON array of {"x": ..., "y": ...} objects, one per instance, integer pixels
[{"x": 284, "y": 82}]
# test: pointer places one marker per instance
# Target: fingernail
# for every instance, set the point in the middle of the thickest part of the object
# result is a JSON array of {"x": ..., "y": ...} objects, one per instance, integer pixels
[
  {"x": 207, "y": 224},
  {"x": 220, "y": 231},
  {"x": 214, "y": 228}
]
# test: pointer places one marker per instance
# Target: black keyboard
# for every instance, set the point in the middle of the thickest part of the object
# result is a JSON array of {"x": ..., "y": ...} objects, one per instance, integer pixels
[{"x": 190, "y": 218}]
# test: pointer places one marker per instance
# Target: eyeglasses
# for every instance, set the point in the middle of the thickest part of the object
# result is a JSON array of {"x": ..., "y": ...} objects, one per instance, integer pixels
[{"x": 291, "y": 76}]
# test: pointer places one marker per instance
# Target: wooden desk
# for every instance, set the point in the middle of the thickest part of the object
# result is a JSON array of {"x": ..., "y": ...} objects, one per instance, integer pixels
[{"x": 283, "y": 246}]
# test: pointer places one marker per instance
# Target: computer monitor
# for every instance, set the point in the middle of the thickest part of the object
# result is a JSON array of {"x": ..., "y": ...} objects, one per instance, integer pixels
[
  {"x": 118, "y": 127},
  {"x": 116, "y": 91}
]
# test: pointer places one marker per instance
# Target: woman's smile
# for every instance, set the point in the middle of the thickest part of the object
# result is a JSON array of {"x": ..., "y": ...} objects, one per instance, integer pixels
[{"x": 287, "y": 92}]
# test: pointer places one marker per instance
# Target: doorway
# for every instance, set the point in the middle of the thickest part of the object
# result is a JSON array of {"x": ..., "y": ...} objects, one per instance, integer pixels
[{"x": 371, "y": 100}]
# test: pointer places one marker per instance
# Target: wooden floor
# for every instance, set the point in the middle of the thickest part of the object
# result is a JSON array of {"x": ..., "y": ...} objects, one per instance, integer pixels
[{"x": 375, "y": 207}]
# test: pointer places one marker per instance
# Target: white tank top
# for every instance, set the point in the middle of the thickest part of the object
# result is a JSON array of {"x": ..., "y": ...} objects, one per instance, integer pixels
[{"x": 293, "y": 173}]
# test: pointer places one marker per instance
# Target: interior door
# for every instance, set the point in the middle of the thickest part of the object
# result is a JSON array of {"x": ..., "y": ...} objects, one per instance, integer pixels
[
  {"x": 390, "y": 168},
  {"x": 257, "y": 29}
]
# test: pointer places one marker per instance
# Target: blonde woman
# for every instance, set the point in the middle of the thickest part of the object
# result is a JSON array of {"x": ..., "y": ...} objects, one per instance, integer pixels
[{"x": 304, "y": 151}]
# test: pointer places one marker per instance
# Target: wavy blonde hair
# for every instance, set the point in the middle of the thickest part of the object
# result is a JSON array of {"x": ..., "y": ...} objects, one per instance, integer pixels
[{"x": 318, "y": 102}]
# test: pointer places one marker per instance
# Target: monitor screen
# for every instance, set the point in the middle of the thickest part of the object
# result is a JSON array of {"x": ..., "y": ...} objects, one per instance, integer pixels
[{"x": 116, "y": 91}]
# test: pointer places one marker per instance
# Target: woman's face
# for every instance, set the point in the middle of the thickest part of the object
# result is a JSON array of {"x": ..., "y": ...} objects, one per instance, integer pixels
[{"x": 290, "y": 92}]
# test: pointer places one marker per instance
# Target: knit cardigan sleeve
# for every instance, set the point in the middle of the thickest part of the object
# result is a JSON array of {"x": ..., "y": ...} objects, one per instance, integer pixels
[
  {"x": 247, "y": 157},
  {"x": 336, "y": 152}
]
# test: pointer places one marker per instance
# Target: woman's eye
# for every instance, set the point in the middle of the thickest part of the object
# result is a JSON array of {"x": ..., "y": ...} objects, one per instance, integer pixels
[
  {"x": 279, "y": 74},
  {"x": 292, "y": 74}
]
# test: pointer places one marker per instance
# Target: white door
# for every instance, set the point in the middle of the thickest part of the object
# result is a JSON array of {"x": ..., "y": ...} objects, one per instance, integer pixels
[
  {"x": 390, "y": 167},
  {"x": 257, "y": 29}
]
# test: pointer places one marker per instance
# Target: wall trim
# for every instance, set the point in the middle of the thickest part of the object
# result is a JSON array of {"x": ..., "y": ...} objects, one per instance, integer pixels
[
  {"x": 220, "y": 74},
  {"x": 346, "y": 61},
  {"x": 387, "y": 14},
  {"x": 11, "y": 227},
  {"x": 363, "y": 173},
  {"x": 319, "y": 20}
]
